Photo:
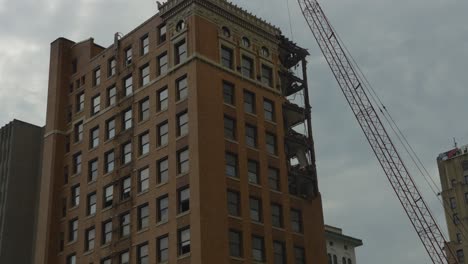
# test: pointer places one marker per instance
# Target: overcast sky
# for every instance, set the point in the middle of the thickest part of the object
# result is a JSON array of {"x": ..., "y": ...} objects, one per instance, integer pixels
[{"x": 414, "y": 52}]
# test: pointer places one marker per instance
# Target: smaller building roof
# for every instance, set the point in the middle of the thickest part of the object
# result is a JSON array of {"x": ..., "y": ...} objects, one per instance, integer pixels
[{"x": 336, "y": 233}]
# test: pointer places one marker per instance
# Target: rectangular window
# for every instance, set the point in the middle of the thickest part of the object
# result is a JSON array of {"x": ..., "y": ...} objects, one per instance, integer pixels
[
  {"x": 183, "y": 161},
  {"x": 162, "y": 33},
  {"x": 163, "y": 248},
  {"x": 296, "y": 221},
  {"x": 163, "y": 134},
  {"x": 128, "y": 85},
  {"x": 144, "y": 109},
  {"x": 143, "y": 179},
  {"x": 74, "y": 65},
  {"x": 250, "y": 136},
  {"x": 459, "y": 237},
  {"x": 128, "y": 56},
  {"x": 145, "y": 75},
  {"x": 466, "y": 197},
  {"x": 110, "y": 128},
  {"x": 163, "y": 99},
  {"x": 97, "y": 77},
  {"x": 79, "y": 131},
  {"x": 252, "y": 172},
  {"x": 279, "y": 252},
  {"x": 271, "y": 143},
  {"x": 163, "y": 170},
  {"x": 111, "y": 64},
  {"x": 182, "y": 88},
  {"x": 460, "y": 256},
  {"x": 247, "y": 67},
  {"x": 90, "y": 238},
  {"x": 75, "y": 195},
  {"x": 94, "y": 138},
  {"x": 142, "y": 254},
  {"x": 73, "y": 230},
  {"x": 235, "y": 243},
  {"x": 91, "y": 206},
  {"x": 126, "y": 153},
  {"x": 124, "y": 224},
  {"x": 124, "y": 258},
  {"x": 269, "y": 110},
  {"x": 71, "y": 259},
  {"x": 77, "y": 163},
  {"x": 255, "y": 209},
  {"x": 92, "y": 170},
  {"x": 258, "y": 249},
  {"x": 456, "y": 219},
  {"x": 233, "y": 199},
  {"x": 95, "y": 104},
  {"x": 80, "y": 99},
  {"x": 183, "y": 196},
  {"x": 127, "y": 119},
  {"x": 144, "y": 41},
  {"x": 143, "y": 216},
  {"x": 227, "y": 57},
  {"x": 273, "y": 179},
  {"x": 111, "y": 96},
  {"x": 163, "y": 208},
  {"x": 453, "y": 203},
  {"x": 267, "y": 76},
  {"x": 107, "y": 260},
  {"x": 231, "y": 165},
  {"x": 126, "y": 188},
  {"x": 162, "y": 63},
  {"x": 180, "y": 51},
  {"x": 229, "y": 128},
  {"x": 249, "y": 102},
  {"x": 182, "y": 124},
  {"x": 183, "y": 240},
  {"x": 277, "y": 215},
  {"x": 106, "y": 232},
  {"x": 109, "y": 159},
  {"x": 228, "y": 93},
  {"x": 108, "y": 196},
  {"x": 299, "y": 256},
  {"x": 144, "y": 143}
]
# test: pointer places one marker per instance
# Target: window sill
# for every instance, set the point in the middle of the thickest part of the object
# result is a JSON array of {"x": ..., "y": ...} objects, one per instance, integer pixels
[
  {"x": 73, "y": 208},
  {"x": 278, "y": 228},
  {"x": 181, "y": 100},
  {"x": 257, "y": 223},
  {"x": 162, "y": 146},
  {"x": 90, "y": 216},
  {"x": 160, "y": 223},
  {"x": 162, "y": 184},
  {"x": 230, "y": 105},
  {"x": 161, "y": 111},
  {"x": 233, "y": 141},
  {"x": 186, "y": 255},
  {"x": 69, "y": 243},
  {"x": 106, "y": 209},
  {"x": 141, "y": 122},
  {"x": 251, "y": 114},
  {"x": 92, "y": 182},
  {"x": 254, "y": 148},
  {"x": 143, "y": 156},
  {"x": 235, "y": 217},
  {"x": 143, "y": 192},
  {"x": 237, "y": 258},
  {"x": 181, "y": 136},
  {"x": 183, "y": 214},
  {"x": 275, "y": 191},
  {"x": 89, "y": 252},
  {"x": 233, "y": 178},
  {"x": 255, "y": 184},
  {"x": 106, "y": 245},
  {"x": 272, "y": 122},
  {"x": 182, "y": 175},
  {"x": 142, "y": 230}
]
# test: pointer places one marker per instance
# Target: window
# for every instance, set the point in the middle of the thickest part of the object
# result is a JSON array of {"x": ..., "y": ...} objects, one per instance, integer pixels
[
  {"x": 231, "y": 165},
  {"x": 74, "y": 65},
  {"x": 79, "y": 131},
  {"x": 277, "y": 215},
  {"x": 162, "y": 63},
  {"x": 144, "y": 75},
  {"x": 93, "y": 170},
  {"x": 329, "y": 259},
  {"x": 77, "y": 163},
  {"x": 107, "y": 260},
  {"x": 162, "y": 33},
  {"x": 233, "y": 199},
  {"x": 249, "y": 102},
  {"x": 343, "y": 260},
  {"x": 143, "y": 216},
  {"x": 182, "y": 89},
  {"x": 228, "y": 93},
  {"x": 273, "y": 179},
  {"x": 349, "y": 261},
  {"x": 144, "y": 109},
  {"x": 296, "y": 221},
  {"x": 73, "y": 230},
  {"x": 80, "y": 98},
  {"x": 269, "y": 110},
  {"x": 250, "y": 136},
  {"x": 144, "y": 45},
  {"x": 107, "y": 232},
  {"x": 69, "y": 113},
  {"x": 456, "y": 219},
  {"x": 108, "y": 196},
  {"x": 163, "y": 248},
  {"x": 143, "y": 179},
  {"x": 128, "y": 86},
  {"x": 163, "y": 134},
  {"x": 299, "y": 255},
  {"x": 124, "y": 258},
  {"x": 91, "y": 207},
  {"x": 163, "y": 208},
  {"x": 128, "y": 56},
  {"x": 184, "y": 199},
  {"x": 279, "y": 252},
  {"x": 267, "y": 76},
  {"x": 252, "y": 172},
  {"x": 181, "y": 51},
  {"x": 162, "y": 99},
  {"x": 245, "y": 42},
  {"x": 183, "y": 161},
  {"x": 255, "y": 209},
  {"x": 94, "y": 137},
  {"x": 183, "y": 240},
  {"x": 226, "y": 32},
  {"x": 258, "y": 249},
  {"x": 229, "y": 128},
  {"x": 227, "y": 57},
  {"x": 466, "y": 197},
  {"x": 180, "y": 25},
  {"x": 127, "y": 119},
  {"x": 182, "y": 124},
  {"x": 235, "y": 243},
  {"x": 142, "y": 254},
  {"x": 144, "y": 143},
  {"x": 71, "y": 259},
  {"x": 271, "y": 143},
  {"x": 459, "y": 237},
  {"x": 247, "y": 67},
  {"x": 163, "y": 170},
  {"x": 453, "y": 203},
  {"x": 466, "y": 179},
  {"x": 460, "y": 256},
  {"x": 125, "y": 224},
  {"x": 111, "y": 64},
  {"x": 126, "y": 153},
  {"x": 126, "y": 188},
  {"x": 97, "y": 77},
  {"x": 109, "y": 158},
  {"x": 75, "y": 195},
  {"x": 111, "y": 96},
  {"x": 90, "y": 238},
  {"x": 110, "y": 129},
  {"x": 265, "y": 52}
]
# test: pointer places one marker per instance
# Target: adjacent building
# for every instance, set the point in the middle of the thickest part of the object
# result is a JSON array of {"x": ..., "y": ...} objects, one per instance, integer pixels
[
  {"x": 340, "y": 247},
  {"x": 453, "y": 171},
  {"x": 20, "y": 166},
  {"x": 177, "y": 144}
]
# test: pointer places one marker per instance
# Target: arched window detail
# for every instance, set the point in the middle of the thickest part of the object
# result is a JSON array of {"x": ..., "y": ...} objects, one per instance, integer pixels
[
  {"x": 349, "y": 261},
  {"x": 180, "y": 25},
  {"x": 265, "y": 52},
  {"x": 245, "y": 42},
  {"x": 335, "y": 259},
  {"x": 226, "y": 32},
  {"x": 343, "y": 260},
  {"x": 329, "y": 259}
]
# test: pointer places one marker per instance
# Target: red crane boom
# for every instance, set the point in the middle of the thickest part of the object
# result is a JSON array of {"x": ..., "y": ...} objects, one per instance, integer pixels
[{"x": 392, "y": 164}]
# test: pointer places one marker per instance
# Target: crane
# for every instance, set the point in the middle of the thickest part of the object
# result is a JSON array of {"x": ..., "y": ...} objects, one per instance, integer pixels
[{"x": 351, "y": 84}]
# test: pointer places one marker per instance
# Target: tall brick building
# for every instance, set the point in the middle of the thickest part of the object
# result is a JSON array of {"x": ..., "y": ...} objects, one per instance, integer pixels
[{"x": 175, "y": 145}]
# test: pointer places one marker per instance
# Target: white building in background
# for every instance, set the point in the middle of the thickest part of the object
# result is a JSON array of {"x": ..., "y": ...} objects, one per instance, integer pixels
[{"x": 340, "y": 248}]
